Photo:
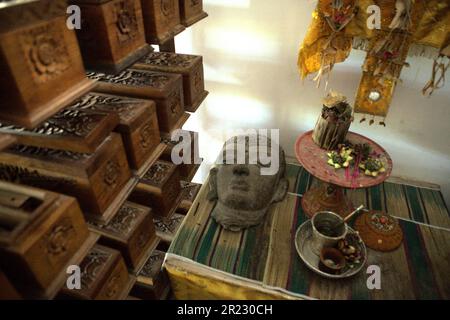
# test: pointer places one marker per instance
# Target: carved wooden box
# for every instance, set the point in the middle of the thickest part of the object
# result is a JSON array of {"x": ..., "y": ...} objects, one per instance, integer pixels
[
  {"x": 161, "y": 20},
  {"x": 167, "y": 228},
  {"x": 71, "y": 130},
  {"x": 187, "y": 170},
  {"x": 131, "y": 231},
  {"x": 95, "y": 179},
  {"x": 138, "y": 123},
  {"x": 189, "y": 192},
  {"x": 159, "y": 189},
  {"x": 40, "y": 232},
  {"x": 112, "y": 34},
  {"x": 164, "y": 88},
  {"x": 104, "y": 276},
  {"x": 152, "y": 282},
  {"x": 40, "y": 61},
  {"x": 189, "y": 66},
  {"x": 191, "y": 11}
]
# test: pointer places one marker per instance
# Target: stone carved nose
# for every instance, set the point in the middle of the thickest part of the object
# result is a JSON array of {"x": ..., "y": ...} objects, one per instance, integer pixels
[{"x": 240, "y": 170}]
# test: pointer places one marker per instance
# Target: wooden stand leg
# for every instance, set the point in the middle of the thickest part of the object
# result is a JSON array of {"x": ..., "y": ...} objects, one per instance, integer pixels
[
  {"x": 168, "y": 46},
  {"x": 327, "y": 197}
]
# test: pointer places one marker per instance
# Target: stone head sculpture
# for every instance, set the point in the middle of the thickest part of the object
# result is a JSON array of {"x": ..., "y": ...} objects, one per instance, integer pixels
[{"x": 248, "y": 177}]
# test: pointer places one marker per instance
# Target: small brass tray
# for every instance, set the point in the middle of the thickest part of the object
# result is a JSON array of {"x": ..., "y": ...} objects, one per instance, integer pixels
[{"x": 303, "y": 238}]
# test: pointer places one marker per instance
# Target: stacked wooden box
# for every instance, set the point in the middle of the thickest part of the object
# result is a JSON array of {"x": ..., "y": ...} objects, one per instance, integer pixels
[
  {"x": 41, "y": 234},
  {"x": 87, "y": 144},
  {"x": 40, "y": 61}
]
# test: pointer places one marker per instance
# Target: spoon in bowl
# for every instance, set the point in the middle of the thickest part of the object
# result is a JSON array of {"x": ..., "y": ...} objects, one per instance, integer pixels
[{"x": 330, "y": 229}]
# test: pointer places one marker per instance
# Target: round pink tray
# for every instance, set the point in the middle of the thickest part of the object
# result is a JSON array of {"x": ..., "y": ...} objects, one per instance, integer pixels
[{"x": 314, "y": 160}]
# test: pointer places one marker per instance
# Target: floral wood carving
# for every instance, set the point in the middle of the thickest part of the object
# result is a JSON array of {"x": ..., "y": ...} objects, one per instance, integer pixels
[
  {"x": 65, "y": 123},
  {"x": 57, "y": 239},
  {"x": 167, "y": 7},
  {"x": 23, "y": 175},
  {"x": 91, "y": 267},
  {"x": 133, "y": 78},
  {"x": 157, "y": 173},
  {"x": 113, "y": 286},
  {"x": 45, "y": 52},
  {"x": 123, "y": 222},
  {"x": 126, "y": 107},
  {"x": 153, "y": 265},
  {"x": 190, "y": 190},
  {"x": 169, "y": 226},
  {"x": 49, "y": 153},
  {"x": 168, "y": 59},
  {"x": 174, "y": 102},
  {"x": 20, "y": 15},
  {"x": 126, "y": 23},
  {"x": 198, "y": 80},
  {"x": 145, "y": 136},
  {"x": 111, "y": 173}
]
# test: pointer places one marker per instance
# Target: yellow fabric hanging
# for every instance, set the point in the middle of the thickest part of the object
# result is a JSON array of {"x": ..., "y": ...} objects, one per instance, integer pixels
[{"x": 428, "y": 25}]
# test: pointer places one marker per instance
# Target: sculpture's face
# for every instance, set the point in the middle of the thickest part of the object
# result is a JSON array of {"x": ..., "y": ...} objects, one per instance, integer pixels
[
  {"x": 246, "y": 191},
  {"x": 242, "y": 187}
]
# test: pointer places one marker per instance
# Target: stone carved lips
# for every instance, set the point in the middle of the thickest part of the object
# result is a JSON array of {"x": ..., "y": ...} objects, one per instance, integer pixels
[{"x": 239, "y": 185}]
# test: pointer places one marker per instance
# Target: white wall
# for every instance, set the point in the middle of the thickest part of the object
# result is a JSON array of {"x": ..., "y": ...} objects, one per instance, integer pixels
[{"x": 250, "y": 54}]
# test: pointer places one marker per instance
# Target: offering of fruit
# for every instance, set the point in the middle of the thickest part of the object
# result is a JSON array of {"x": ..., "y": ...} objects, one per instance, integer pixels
[
  {"x": 341, "y": 159},
  {"x": 358, "y": 156},
  {"x": 372, "y": 167}
]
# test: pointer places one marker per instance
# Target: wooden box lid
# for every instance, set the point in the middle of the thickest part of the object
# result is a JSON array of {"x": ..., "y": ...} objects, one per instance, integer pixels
[
  {"x": 124, "y": 223},
  {"x": 166, "y": 228},
  {"x": 159, "y": 173},
  {"x": 152, "y": 269},
  {"x": 166, "y": 138},
  {"x": 21, "y": 208},
  {"x": 96, "y": 267},
  {"x": 168, "y": 62},
  {"x": 189, "y": 191},
  {"x": 138, "y": 83},
  {"x": 18, "y": 13},
  {"x": 61, "y": 160},
  {"x": 131, "y": 112},
  {"x": 71, "y": 130}
]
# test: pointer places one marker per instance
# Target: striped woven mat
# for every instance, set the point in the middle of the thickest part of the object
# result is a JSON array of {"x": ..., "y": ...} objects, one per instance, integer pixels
[
  {"x": 418, "y": 269},
  {"x": 424, "y": 205}
]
